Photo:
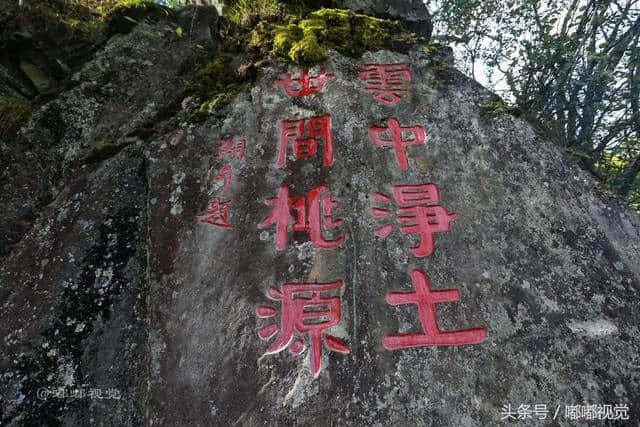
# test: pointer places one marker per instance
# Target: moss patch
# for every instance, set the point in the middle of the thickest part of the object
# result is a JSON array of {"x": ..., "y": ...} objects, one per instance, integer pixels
[
  {"x": 247, "y": 13},
  {"x": 40, "y": 43},
  {"x": 14, "y": 112},
  {"x": 242, "y": 12},
  {"x": 50, "y": 24},
  {"x": 125, "y": 4},
  {"x": 214, "y": 75},
  {"x": 495, "y": 107},
  {"x": 290, "y": 35},
  {"x": 127, "y": 13},
  {"x": 218, "y": 83},
  {"x": 305, "y": 41}
]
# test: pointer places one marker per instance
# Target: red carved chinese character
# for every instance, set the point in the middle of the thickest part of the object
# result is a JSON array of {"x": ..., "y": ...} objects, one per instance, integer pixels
[
  {"x": 388, "y": 82},
  {"x": 426, "y": 300},
  {"x": 225, "y": 176},
  {"x": 417, "y": 214},
  {"x": 320, "y": 216},
  {"x": 395, "y": 137},
  {"x": 293, "y": 132},
  {"x": 217, "y": 213},
  {"x": 303, "y": 315},
  {"x": 230, "y": 148},
  {"x": 306, "y": 84}
]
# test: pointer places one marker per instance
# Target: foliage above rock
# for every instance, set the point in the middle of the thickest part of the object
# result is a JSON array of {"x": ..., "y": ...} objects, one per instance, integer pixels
[
  {"x": 242, "y": 12},
  {"x": 291, "y": 33},
  {"x": 127, "y": 13},
  {"x": 42, "y": 41},
  {"x": 305, "y": 41},
  {"x": 47, "y": 21}
]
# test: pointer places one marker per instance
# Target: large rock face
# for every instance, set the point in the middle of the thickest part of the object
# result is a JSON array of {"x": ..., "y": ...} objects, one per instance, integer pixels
[{"x": 118, "y": 283}]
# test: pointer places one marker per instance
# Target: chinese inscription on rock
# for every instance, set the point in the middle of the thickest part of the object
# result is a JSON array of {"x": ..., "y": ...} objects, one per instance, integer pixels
[
  {"x": 307, "y": 311},
  {"x": 217, "y": 212}
]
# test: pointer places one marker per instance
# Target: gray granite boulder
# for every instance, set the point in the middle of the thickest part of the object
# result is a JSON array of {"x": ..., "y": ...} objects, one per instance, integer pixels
[{"x": 144, "y": 284}]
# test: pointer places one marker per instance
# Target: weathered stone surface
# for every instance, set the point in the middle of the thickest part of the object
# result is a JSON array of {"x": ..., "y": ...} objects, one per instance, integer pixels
[
  {"x": 73, "y": 301},
  {"x": 534, "y": 253},
  {"x": 73, "y": 250},
  {"x": 148, "y": 300},
  {"x": 131, "y": 82}
]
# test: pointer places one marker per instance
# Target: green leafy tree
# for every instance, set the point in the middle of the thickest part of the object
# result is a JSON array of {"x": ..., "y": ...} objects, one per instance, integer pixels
[{"x": 574, "y": 64}]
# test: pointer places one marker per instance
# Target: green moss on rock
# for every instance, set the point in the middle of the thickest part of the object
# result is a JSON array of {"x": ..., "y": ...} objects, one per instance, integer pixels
[
  {"x": 218, "y": 83},
  {"x": 214, "y": 75},
  {"x": 496, "y": 106},
  {"x": 49, "y": 28},
  {"x": 303, "y": 36},
  {"x": 128, "y": 4},
  {"x": 224, "y": 98},
  {"x": 260, "y": 41},
  {"x": 126, "y": 14},
  {"x": 241, "y": 12},
  {"x": 14, "y": 111},
  {"x": 216, "y": 103},
  {"x": 201, "y": 113},
  {"x": 38, "y": 21},
  {"x": 306, "y": 41}
]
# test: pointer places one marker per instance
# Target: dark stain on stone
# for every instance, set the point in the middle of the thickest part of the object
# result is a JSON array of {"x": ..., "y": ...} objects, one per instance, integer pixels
[{"x": 112, "y": 251}]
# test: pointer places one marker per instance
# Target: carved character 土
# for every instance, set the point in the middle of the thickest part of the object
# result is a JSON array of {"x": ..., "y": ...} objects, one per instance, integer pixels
[
  {"x": 388, "y": 82},
  {"x": 417, "y": 213},
  {"x": 320, "y": 217},
  {"x": 426, "y": 300},
  {"x": 306, "y": 84},
  {"x": 304, "y": 135},
  {"x": 398, "y": 137},
  {"x": 303, "y": 314}
]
